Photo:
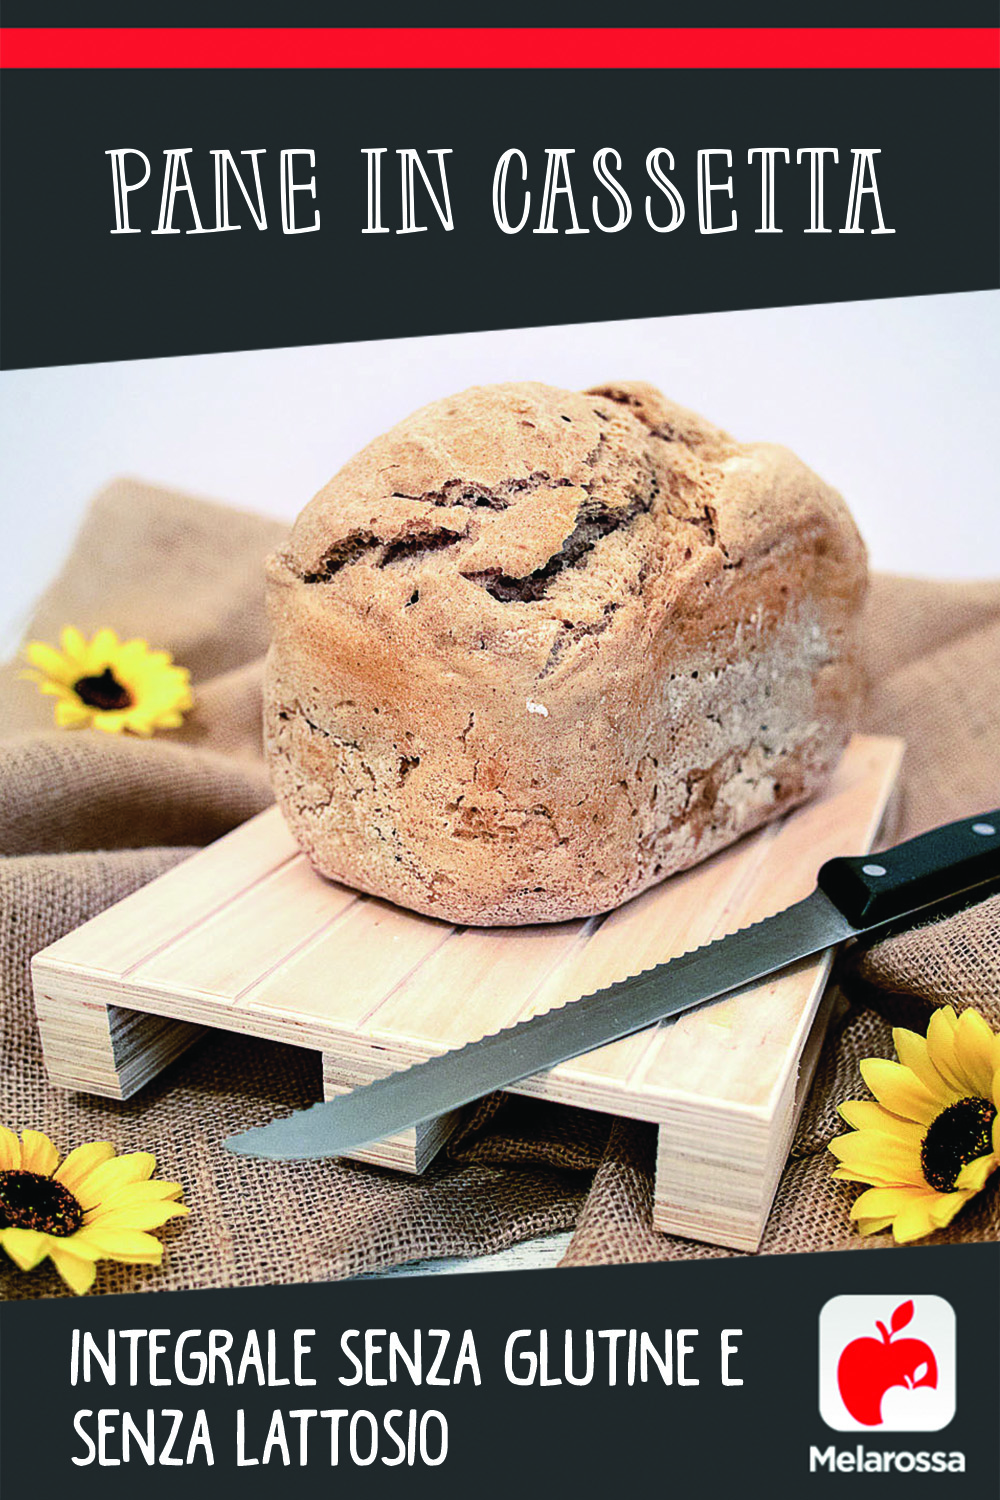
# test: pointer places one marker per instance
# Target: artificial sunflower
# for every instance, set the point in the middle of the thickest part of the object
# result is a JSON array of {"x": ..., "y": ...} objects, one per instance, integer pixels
[
  {"x": 93, "y": 1206},
  {"x": 932, "y": 1140},
  {"x": 110, "y": 684}
]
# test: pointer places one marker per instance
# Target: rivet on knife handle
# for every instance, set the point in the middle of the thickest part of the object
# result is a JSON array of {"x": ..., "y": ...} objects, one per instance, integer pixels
[{"x": 932, "y": 867}]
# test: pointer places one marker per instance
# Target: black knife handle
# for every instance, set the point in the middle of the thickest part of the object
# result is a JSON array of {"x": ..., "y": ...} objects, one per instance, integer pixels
[{"x": 924, "y": 871}]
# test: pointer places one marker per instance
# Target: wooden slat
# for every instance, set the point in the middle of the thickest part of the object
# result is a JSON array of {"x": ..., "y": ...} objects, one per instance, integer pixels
[
  {"x": 357, "y": 961},
  {"x": 132, "y": 930},
  {"x": 239, "y": 945},
  {"x": 475, "y": 983}
]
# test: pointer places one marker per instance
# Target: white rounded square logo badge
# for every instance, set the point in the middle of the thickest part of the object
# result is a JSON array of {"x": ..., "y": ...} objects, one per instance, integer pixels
[{"x": 887, "y": 1364}]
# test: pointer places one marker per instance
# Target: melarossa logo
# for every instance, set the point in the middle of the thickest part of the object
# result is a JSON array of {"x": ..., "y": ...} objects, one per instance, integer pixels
[
  {"x": 887, "y": 1363},
  {"x": 884, "y": 1461}
]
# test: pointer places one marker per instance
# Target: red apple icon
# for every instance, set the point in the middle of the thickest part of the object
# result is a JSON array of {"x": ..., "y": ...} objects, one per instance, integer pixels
[{"x": 869, "y": 1367}]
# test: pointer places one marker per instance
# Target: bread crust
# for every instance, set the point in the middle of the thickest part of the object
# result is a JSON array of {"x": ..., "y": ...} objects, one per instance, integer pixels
[{"x": 534, "y": 650}]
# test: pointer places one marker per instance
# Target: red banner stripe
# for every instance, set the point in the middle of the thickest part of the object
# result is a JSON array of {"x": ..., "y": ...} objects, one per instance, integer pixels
[{"x": 499, "y": 47}]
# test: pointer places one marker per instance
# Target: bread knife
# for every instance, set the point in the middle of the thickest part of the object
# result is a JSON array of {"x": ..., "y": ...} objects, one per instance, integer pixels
[{"x": 859, "y": 899}]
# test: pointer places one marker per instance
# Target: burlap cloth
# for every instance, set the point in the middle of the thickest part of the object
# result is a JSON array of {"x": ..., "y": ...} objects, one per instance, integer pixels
[{"x": 85, "y": 818}]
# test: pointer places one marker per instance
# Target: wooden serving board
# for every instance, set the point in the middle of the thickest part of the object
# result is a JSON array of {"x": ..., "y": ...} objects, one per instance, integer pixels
[{"x": 245, "y": 936}]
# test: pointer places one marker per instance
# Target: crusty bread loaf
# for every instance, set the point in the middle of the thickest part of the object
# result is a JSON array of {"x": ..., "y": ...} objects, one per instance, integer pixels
[{"x": 534, "y": 650}]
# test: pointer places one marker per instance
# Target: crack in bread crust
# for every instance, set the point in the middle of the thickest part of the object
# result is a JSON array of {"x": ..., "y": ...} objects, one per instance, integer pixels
[
  {"x": 383, "y": 553},
  {"x": 595, "y": 521}
]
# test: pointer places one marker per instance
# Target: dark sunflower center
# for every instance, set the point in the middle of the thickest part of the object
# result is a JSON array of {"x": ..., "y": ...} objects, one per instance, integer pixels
[
  {"x": 958, "y": 1135},
  {"x": 103, "y": 692},
  {"x": 30, "y": 1201}
]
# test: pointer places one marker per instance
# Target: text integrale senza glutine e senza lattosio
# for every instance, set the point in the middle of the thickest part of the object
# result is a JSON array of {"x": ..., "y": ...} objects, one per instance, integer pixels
[
  {"x": 560, "y": 190},
  {"x": 368, "y": 1359}
]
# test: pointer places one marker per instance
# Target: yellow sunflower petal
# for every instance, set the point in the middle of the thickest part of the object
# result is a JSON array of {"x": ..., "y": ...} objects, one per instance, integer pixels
[
  {"x": 140, "y": 1192},
  {"x": 947, "y": 1018},
  {"x": 156, "y": 674},
  {"x": 885, "y": 1202},
  {"x": 77, "y": 1274},
  {"x": 135, "y": 1216},
  {"x": 899, "y": 1091},
  {"x": 913, "y": 1053},
  {"x": 164, "y": 698},
  {"x": 844, "y": 1174},
  {"x": 38, "y": 1153},
  {"x": 26, "y": 1247},
  {"x": 862, "y": 1114},
  {"x": 102, "y": 651},
  {"x": 72, "y": 714},
  {"x": 946, "y": 1206},
  {"x": 177, "y": 701},
  {"x": 114, "y": 1174},
  {"x": 144, "y": 689},
  {"x": 975, "y": 1174},
  {"x": 874, "y": 1226},
  {"x": 73, "y": 645},
  {"x": 132, "y": 1246},
  {"x": 111, "y": 723},
  {"x": 884, "y": 1160},
  {"x": 974, "y": 1051},
  {"x": 78, "y": 1245},
  {"x": 10, "y": 1150},
  {"x": 133, "y": 651},
  {"x": 51, "y": 662},
  {"x": 161, "y": 701},
  {"x": 916, "y": 1219},
  {"x": 82, "y": 1161},
  {"x": 941, "y": 1038},
  {"x": 158, "y": 661}
]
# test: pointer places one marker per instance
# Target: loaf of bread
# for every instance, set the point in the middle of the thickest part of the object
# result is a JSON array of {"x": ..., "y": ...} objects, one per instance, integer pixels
[{"x": 534, "y": 650}]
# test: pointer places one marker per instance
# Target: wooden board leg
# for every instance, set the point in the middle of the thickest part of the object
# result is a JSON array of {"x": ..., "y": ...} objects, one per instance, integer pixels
[
  {"x": 103, "y": 1049},
  {"x": 716, "y": 1179},
  {"x": 411, "y": 1150},
  {"x": 701, "y": 1194}
]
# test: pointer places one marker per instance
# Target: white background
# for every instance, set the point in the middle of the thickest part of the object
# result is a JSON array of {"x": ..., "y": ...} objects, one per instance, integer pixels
[{"x": 894, "y": 402}]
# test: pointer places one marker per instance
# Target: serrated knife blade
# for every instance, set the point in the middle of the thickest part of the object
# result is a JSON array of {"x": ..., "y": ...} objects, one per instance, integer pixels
[
  {"x": 855, "y": 898},
  {"x": 451, "y": 1079}
]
